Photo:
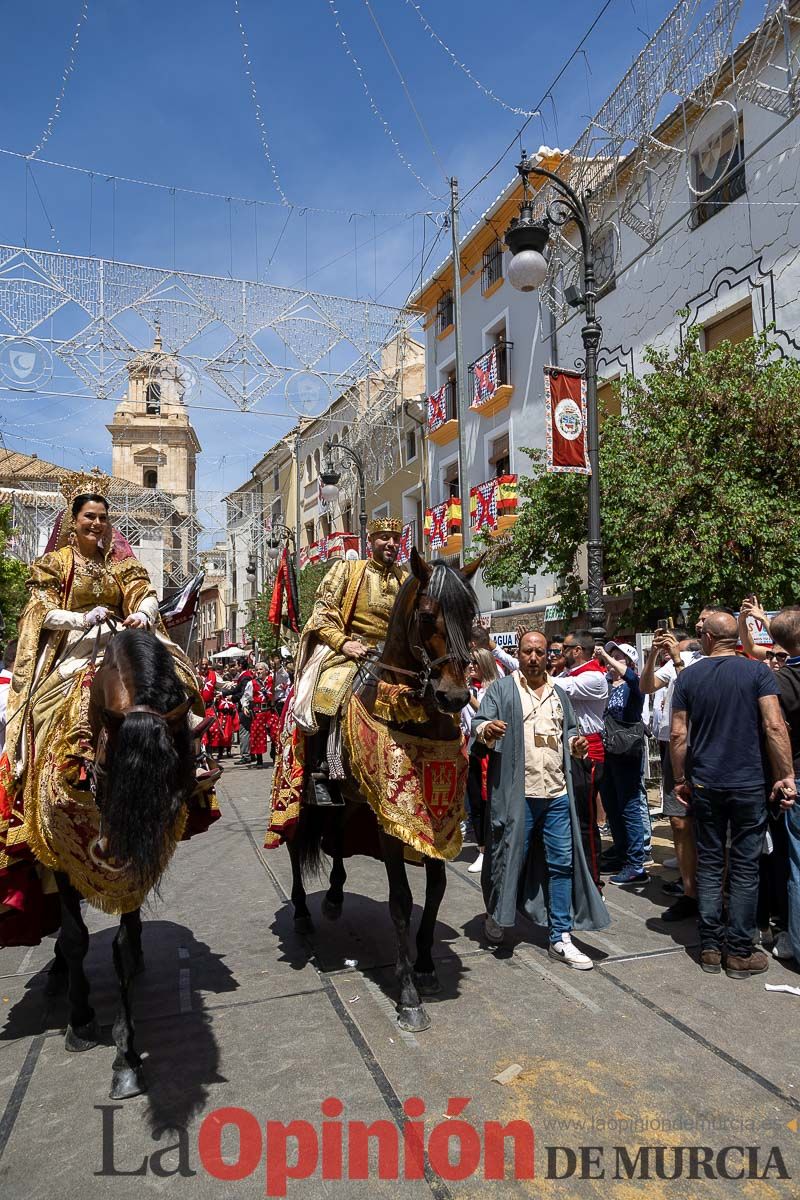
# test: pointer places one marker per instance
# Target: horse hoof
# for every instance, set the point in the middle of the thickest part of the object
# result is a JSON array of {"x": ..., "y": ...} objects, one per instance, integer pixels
[
  {"x": 126, "y": 1083},
  {"x": 427, "y": 983},
  {"x": 82, "y": 1037},
  {"x": 332, "y": 910},
  {"x": 56, "y": 983},
  {"x": 413, "y": 1020},
  {"x": 304, "y": 926}
]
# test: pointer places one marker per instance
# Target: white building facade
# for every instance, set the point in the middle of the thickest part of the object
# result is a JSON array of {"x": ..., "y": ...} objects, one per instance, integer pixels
[{"x": 703, "y": 230}]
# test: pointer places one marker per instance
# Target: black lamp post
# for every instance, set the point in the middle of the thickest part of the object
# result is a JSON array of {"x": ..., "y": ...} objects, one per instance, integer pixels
[
  {"x": 277, "y": 536},
  {"x": 526, "y": 238},
  {"x": 330, "y": 485}
]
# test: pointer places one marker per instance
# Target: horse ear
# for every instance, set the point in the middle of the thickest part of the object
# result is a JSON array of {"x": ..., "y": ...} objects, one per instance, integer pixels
[
  {"x": 419, "y": 567},
  {"x": 469, "y": 569}
]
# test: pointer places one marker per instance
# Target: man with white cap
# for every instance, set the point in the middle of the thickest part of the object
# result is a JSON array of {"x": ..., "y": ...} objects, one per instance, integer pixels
[{"x": 624, "y": 743}]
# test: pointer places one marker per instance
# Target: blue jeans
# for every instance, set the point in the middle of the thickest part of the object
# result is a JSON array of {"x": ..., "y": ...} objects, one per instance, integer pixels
[
  {"x": 793, "y": 829},
  {"x": 714, "y": 810},
  {"x": 620, "y": 788},
  {"x": 553, "y": 817}
]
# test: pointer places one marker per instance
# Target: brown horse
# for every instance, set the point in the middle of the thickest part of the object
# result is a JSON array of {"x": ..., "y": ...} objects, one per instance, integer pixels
[
  {"x": 427, "y": 645},
  {"x": 144, "y": 774}
]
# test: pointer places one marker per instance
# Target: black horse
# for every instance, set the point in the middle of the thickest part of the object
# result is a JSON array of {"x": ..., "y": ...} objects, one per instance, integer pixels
[
  {"x": 427, "y": 644},
  {"x": 144, "y": 775}
]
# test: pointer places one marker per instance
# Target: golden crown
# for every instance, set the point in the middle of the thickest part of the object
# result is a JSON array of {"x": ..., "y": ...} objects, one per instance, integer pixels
[
  {"x": 85, "y": 483},
  {"x": 385, "y": 525}
]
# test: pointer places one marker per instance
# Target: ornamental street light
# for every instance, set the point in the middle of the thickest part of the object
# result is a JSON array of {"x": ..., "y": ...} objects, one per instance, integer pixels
[
  {"x": 330, "y": 477},
  {"x": 526, "y": 238},
  {"x": 277, "y": 536}
]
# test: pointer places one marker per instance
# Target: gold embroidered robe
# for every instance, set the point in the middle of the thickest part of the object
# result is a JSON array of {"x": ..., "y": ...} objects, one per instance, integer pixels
[
  {"x": 354, "y": 601},
  {"x": 48, "y": 739}
]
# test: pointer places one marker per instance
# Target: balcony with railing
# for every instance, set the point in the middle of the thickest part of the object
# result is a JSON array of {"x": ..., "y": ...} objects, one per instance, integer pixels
[
  {"x": 493, "y": 505},
  {"x": 444, "y": 315},
  {"x": 443, "y": 414},
  {"x": 335, "y": 545},
  {"x": 492, "y": 269},
  {"x": 491, "y": 380},
  {"x": 443, "y": 528}
]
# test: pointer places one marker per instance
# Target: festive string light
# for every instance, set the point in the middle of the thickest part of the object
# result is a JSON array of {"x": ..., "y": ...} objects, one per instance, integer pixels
[
  {"x": 68, "y": 69},
  {"x": 225, "y": 196},
  {"x": 520, "y": 112},
  {"x": 248, "y": 70},
  {"x": 376, "y": 111}
]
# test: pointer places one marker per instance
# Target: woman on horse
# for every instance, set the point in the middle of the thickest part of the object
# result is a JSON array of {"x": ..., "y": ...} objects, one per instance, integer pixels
[{"x": 87, "y": 582}]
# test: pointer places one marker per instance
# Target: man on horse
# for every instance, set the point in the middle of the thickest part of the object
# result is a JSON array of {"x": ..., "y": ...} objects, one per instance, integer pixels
[{"x": 349, "y": 619}]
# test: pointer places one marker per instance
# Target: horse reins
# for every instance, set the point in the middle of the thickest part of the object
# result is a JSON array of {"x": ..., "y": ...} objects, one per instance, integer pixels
[{"x": 429, "y": 665}]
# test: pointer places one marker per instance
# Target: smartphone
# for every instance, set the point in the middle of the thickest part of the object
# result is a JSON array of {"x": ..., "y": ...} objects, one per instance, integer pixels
[{"x": 663, "y": 624}]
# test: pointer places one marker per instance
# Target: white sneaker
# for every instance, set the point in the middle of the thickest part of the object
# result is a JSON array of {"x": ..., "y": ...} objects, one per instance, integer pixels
[
  {"x": 475, "y": 867},
  {"x": 782, "y": 947},
  {"x": 568, "y": 953},
  {"x": 670, "y": 863},
  {"x": 493, "y": 931}
]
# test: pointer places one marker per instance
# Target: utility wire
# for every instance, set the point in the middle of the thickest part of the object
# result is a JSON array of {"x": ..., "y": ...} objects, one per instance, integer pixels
[
  {"x": 387, "y": 129},
  {"x": 405, "y": 88},
  {"x": 206, "y": 195},
  {"x": 606, "y": 5}
]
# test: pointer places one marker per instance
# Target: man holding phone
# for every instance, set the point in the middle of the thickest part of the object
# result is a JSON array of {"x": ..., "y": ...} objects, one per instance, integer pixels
[{"x": 732, "y": 706}]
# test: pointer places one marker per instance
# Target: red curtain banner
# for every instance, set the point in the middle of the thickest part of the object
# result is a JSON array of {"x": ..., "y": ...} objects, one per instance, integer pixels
[{"x": 565, "y": 409}]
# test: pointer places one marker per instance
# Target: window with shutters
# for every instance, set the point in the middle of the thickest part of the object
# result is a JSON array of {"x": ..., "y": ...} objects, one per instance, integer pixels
[
  {"x": 733, "y": 326},
  {"x": 500, "y": 456},
  {"x": 450, "y": 480},
  {"x": 444, "y": 313},
  {"x": 492, "y": 269}
]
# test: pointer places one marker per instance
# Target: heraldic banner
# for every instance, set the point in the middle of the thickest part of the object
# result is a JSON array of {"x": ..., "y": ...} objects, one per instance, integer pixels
[{"x": 565, "y": 408}]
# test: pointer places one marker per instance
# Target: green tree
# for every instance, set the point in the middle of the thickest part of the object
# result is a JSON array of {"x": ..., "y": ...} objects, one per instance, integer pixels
[
  {"x": 310, "y": 579},
  {"x": 700, "y": 479},
  {"x": 259, "y": 626},
  {"x": 13, "y": 574}
]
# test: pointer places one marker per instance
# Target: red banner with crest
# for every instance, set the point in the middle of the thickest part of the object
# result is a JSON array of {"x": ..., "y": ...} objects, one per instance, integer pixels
[{"x": 565, "y": 430}]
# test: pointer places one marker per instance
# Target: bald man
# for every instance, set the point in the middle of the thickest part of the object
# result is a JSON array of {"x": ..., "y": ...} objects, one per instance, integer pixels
[
  {"x": 527, "y": 723},
  {"x": 728, "y": 707}
]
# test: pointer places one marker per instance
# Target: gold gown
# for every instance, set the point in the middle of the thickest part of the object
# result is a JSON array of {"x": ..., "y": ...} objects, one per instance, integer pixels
[
  {"x": 354, "y": 600},
  {"x": 46, "y": 808}
]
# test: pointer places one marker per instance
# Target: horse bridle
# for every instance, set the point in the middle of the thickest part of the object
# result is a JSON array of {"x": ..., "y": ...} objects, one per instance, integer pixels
[
  {"x": 419, "y": 653},
  {"x": 99, "y": 772}
]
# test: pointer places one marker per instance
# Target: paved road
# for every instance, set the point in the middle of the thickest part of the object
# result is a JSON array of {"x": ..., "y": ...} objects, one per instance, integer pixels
[{"x": 235, "y": 1010}]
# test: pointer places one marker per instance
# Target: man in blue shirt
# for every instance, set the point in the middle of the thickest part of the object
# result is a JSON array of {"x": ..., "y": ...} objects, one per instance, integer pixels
[{"x": 728, "y": 708}]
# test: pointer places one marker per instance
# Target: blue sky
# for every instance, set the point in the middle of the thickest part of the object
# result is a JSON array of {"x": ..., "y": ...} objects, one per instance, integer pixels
[{"x": 159, "y": 93}]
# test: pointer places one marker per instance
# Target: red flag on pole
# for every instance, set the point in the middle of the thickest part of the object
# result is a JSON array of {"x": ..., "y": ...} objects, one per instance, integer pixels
[
  {"x": 285, "y": 585},
  {"x": 565, "y": 408}
]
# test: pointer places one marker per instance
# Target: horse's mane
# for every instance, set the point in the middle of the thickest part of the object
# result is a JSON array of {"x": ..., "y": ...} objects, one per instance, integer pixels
[
  {"x": 156, "y": 681},
  {"x": 458, "y": 602},
  {"x": 151, "y": 771}
]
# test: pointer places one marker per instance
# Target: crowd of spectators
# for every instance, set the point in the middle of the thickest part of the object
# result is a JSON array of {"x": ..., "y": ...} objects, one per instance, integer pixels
[{"x": 560, "y": 752}]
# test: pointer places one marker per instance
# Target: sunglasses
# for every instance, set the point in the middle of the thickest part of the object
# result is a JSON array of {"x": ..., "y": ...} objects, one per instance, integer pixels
[{"x": 778, "y": 657}]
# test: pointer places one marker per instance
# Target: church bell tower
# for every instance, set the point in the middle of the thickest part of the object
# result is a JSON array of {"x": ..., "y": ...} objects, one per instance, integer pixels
[{"x": 152, "y": 439}]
